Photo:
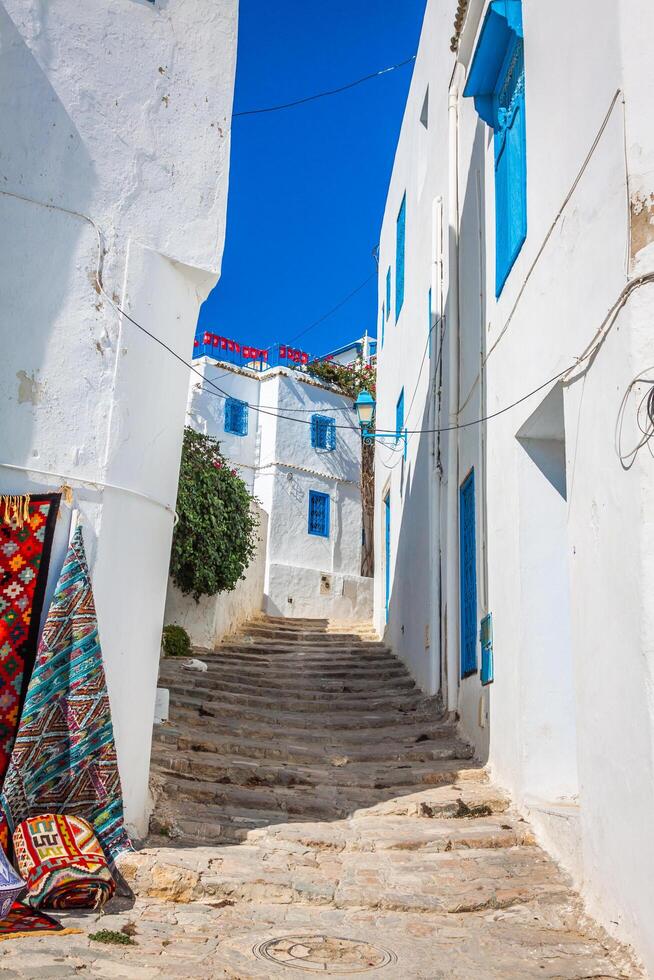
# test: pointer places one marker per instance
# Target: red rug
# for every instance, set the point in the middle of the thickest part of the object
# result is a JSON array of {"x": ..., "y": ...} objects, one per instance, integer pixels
[
  {"x": 24, "y": 560},
  {"x": 25, "y": 921}
]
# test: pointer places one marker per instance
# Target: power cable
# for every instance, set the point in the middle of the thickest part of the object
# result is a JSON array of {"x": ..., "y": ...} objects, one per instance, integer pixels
[
  {"x": 322, "y": 95},
  {"x": 325, "y": 316}
]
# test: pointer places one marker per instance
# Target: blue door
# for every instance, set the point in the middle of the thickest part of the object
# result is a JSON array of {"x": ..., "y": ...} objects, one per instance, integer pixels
[
  {"x": 387, "y": 550},
  {"x": 468, "y": 575}
]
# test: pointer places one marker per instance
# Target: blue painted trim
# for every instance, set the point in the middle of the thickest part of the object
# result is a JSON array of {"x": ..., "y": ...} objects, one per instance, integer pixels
[
  {"x": 388, "y": 292},
  {"x": 487, "y": 675},
  {"x": 429, "y": 324},
  {"x": 468, "y": 576},
  {"x": 399, "y": 415},
  {"x": 321, "y": 531},
  {"x": 400, "y": 249},
  {"x": 387, "y": 547},
  {"x": 236, "y": 417}
]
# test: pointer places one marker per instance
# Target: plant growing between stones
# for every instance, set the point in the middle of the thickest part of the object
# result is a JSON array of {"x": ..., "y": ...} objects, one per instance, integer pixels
[
  {"x": 215, "y": 537},
  {"x": 112, "y": 938},
  {"x": 175, "y": 641}
]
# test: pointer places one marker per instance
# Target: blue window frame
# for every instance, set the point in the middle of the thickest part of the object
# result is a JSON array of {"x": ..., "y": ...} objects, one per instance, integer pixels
[
  {"x": 400, "y": 236},
  {"x": 236, "y": 417},
  {"x": 387, "y": 552},
  {"x": 399, "y": 415},
  {"x": 319, "y": 513},
  {"x": 497, "y": 83},
  {"x": 388, "y": 292},
  {"x": 323, "y": 432},
  {"x": 468, "y": 575}
]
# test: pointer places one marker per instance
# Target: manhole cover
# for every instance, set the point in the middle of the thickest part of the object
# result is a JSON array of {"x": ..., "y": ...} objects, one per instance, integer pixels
[{"x": 324, "y": 954}]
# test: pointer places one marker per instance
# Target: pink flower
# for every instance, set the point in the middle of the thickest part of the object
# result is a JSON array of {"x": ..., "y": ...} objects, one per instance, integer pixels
[
  {"x": 234, "y": 473},
  {"x": 217, "y": 464}
]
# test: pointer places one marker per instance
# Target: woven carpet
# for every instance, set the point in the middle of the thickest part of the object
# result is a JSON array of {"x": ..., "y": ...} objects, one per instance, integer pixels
[
  {"x": 24, "y": 560},
  {"x": 21, "y": 920},
  {"x": 64, "y": 758}
]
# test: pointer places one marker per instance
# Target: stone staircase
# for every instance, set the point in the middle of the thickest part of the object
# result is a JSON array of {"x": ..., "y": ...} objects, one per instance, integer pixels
[
  {"x": 296, "y": 720},
  {"x": 305, "y": 787}
]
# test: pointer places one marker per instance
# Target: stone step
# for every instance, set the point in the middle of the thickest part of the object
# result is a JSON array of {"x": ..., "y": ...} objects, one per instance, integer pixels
[
  {"x": 219, "y": 708},
  {"x": 253, "y": 772},
  {"x": 190, "y": 738},
  {"x": 323, "y": 803},
  {"x": 407, "y": 730},
  {"x": 310, "y": 660},
  {"x": 307, "y": 687},
  {"x": 318, "y": 648},
  {"x": 336, "y": 704}
]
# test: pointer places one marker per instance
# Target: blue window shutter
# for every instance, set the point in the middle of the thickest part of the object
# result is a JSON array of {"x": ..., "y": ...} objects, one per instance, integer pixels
[
  {"x": 399, "y": 415},
  {"x": 387, "y": 551},
  {"x": 510, "y": 167},
  {"x": 236, "y": 417},
  {"x": 323, "y": 432},
  {"x": 388, "y": 292},
  {"x": 399, "y": 257},
  {"x": 468, "y": 575},
  {"x": 318, "y": 513}
]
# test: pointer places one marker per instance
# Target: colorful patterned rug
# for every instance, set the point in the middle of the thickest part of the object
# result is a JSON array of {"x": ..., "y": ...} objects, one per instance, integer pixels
[
  {"x": 26, "y": 534},
  {"x": 64, "y": 758},
  {"x": 21, "y": 920},
  {"x": 11, "y": 885},
  {"x": 63, "y": 863}
]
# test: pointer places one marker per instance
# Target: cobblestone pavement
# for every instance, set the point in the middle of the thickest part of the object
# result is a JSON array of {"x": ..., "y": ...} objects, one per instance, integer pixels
[{"x": 316, "y": 814}]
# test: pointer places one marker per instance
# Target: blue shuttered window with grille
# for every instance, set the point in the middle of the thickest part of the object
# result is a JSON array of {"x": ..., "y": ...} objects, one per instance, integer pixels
[
  {"x": 496, "y": 81},
  {"x": 236, "y": 417},
  {"x": 400, "y": 236},
  {"x": 468, "y": 575},
  {"x": 318, "y": 513},
  {"x": 388, "y": 292},
  {"x": 323, "y": 432}
]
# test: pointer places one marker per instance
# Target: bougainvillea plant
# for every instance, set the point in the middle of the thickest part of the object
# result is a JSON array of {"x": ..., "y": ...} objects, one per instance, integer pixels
[
  {"x": 215, "y": 536},
  {"x": 348, "y": 378}
]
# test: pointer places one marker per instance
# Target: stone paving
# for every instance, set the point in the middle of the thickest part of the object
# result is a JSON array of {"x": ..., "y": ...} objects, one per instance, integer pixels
[{"x": 317, "y": 814}]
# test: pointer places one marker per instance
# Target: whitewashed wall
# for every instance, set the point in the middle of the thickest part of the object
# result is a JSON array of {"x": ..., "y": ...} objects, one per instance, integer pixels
[
  {"x": 306, "y": 575},
  {"x": 116, "y": 112},
  {"x": 568, "y": 725}
]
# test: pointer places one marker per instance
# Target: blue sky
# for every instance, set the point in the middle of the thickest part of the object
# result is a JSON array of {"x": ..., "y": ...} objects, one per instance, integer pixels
[{"x": 308, "y": 185}]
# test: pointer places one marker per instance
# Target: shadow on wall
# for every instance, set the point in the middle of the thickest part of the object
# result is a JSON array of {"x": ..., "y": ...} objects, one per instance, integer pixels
[
  {"x": 417, "y": 602},
  {"x": 48, "y": 260}
]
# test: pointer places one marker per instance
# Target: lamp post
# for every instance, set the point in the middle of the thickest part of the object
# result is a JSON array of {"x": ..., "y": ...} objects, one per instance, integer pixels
[{"x": 365, "y": 409}]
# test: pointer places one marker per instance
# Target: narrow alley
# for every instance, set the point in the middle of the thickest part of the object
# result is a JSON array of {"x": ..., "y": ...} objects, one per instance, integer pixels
[{"x": 317, "y": 813}]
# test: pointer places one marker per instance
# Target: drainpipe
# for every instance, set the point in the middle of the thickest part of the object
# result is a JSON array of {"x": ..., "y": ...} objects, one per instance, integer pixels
[{"x": 451, "y": 685}]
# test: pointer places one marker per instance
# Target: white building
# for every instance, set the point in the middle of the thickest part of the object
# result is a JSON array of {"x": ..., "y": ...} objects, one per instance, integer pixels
[
  {"x": 535, "y": 116},
  {"x": 115, "y": 154},
  {"x": 297, "y": 445}
]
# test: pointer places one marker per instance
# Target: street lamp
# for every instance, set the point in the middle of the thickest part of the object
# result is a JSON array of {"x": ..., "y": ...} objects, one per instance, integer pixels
[{"x": 365, "y": 409}]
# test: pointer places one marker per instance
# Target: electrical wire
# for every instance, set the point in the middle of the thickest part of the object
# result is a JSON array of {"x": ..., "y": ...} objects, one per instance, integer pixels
[
  {"x": 323, "y": 95},
  {"x": 588, "y": 355},
  {"x": 325, "y": 316}
]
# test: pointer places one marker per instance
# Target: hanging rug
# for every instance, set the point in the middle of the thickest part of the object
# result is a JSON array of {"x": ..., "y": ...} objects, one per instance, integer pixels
[
  {"x": 64, "y": 758},
  {"x": 26, "y": 530},
  {"x": 21, "y": 920}
]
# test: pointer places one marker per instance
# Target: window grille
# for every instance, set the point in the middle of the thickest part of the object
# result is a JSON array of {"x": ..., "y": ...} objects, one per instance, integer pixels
[
  {"x": 399, "y": 257},
  {"x": 236, "y": 417},
  {"x": 323, "y": 432},
  {"x": 468, "y": 575},
  {"x": 318, "y": 513}
]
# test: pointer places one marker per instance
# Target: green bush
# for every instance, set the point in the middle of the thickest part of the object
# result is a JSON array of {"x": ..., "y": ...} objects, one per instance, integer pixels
[
  {"x": 175, "y": 641},
  {"x": 215, "y": 536}
]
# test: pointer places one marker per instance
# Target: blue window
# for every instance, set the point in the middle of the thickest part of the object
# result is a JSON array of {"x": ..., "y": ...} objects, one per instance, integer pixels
[
  {"x": 323, "y": 432},
  {"x": 468, "y": 575},
  {"x": 497, "y": 83},
  {"x": 399, "y": 415},
  {"x": 236, "y": 417},
  {"x": 387, "y": 552},
  {"x": 399, "y": 257},
  {"x": 318, "y": 513},
  {"x": 388, "y": 293}
]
